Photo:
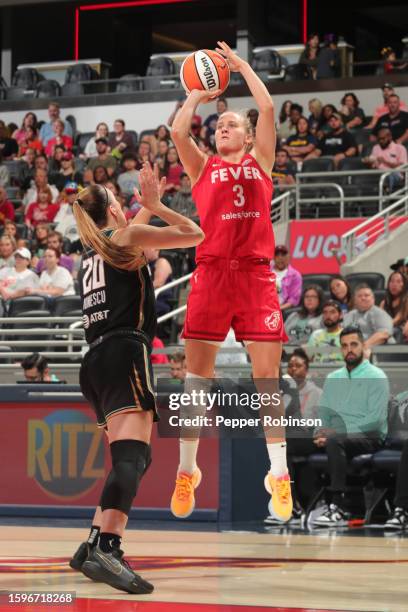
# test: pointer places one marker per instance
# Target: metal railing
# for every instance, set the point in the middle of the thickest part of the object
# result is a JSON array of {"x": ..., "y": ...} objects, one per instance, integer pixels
[
  {"x": 282, "y": 205},
  {"x": 346, "y": 180},
  {"x": 375, "y": 228}
]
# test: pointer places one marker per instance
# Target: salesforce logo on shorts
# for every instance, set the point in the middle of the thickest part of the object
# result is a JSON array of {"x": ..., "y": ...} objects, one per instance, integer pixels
[
  {"x": 243, "y": 214},
  {"x": 65, "y": 453}
]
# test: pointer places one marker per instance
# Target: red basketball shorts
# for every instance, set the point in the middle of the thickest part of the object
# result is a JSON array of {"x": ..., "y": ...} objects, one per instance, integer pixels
[{"x": 234, "y": 293}]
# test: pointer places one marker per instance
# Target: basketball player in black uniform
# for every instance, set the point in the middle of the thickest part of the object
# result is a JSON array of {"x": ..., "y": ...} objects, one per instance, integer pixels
[{"x": 116, "y": 374}]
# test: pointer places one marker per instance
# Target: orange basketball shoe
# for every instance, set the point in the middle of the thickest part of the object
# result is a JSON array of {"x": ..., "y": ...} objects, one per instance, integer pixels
[
  {"x": 182, "y": 501},
  {"x": 280, "y": 505}
]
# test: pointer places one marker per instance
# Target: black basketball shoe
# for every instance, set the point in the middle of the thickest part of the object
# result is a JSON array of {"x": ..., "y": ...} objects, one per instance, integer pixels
[
  {"x": 79, "y": 557},
  {"x": 113, "y": 569}
]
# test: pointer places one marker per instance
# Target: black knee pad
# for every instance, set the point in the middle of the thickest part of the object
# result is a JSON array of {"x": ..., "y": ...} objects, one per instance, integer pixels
[{"x": 130, "y": 460}]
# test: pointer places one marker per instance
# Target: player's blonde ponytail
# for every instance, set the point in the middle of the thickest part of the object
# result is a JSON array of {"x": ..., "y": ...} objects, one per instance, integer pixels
[{"x": 90, "y": 211}]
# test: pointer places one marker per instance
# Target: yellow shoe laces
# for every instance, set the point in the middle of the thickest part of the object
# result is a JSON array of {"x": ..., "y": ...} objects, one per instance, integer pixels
[{"x": 184, "y": 487}]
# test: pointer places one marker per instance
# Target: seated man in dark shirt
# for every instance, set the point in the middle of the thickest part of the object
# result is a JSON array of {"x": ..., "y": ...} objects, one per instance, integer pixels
[
  {"x": 338, "y": 143},
  {"x": 396, "y": 120},
  {"x": 283, "y": 173}
]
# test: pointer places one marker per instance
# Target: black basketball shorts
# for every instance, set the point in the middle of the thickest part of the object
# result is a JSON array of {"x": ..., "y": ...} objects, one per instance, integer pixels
[{"x": 117, "y": 377}]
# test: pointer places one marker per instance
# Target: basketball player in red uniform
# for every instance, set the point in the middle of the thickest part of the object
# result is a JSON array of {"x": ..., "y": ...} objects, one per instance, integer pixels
[{"x": 232, "y": 285}]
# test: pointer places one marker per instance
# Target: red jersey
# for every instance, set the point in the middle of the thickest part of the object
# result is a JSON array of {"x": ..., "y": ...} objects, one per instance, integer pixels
[
  {"x": 37, "y": 215},
  {"x": 234, "y": 206}
]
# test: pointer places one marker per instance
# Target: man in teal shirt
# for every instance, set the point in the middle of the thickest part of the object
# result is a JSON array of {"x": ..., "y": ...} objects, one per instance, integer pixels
[{"x": 353, "y": 410}]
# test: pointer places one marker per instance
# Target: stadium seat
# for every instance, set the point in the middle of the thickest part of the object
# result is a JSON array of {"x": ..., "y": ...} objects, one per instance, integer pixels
[
  {"x": 298, "y": 72},
  {"x": 65, "y": 304},
  {"x": 374, "y": 279},
  {"x": 18, "y": 93},
  {"x": 379, "y": 295},
  {"x": 82, "y": 140},
  {"x": 133, "y": 135},
  {"x": 129, "y": 83},
  {"x": 160, "y": 67},
  {"x": 146, "y": 133},
  {"x": 48, "y": 89},
  {"x": 267, "y": 64},
  {"x": 15, "y": 168},
  {"x": 322, "y": 280},
  {"x": 73, "y": 89},
  {"x": 80, "y": 72},
  {"x": 318, "y": 164},
  {"x": 26, "y": 78},
  {"x": 20, "y": 306}
]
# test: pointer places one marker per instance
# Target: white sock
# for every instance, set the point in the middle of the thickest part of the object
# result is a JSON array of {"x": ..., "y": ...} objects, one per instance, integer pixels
[
  {"x": 277, "y": 457},
  {"x": 188, "y": 455}
]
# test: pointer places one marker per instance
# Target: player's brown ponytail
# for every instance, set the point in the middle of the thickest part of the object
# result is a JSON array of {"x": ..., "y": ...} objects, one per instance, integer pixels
[{"x": 90, "y": 211}]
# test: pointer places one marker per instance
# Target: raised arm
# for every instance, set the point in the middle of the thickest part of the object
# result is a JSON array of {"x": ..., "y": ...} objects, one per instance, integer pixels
[
  {"x": 265, "y": 140},
  {"x": 191, "y": 157},
  {"x": 181, "y": 232}
]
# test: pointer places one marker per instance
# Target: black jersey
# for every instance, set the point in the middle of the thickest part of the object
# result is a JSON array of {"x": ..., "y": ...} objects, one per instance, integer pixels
[{"x": 115, "y": 299}]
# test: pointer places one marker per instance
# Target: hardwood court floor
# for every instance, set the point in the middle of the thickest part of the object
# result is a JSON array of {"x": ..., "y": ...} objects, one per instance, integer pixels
[{"x": 228, "y": 572}]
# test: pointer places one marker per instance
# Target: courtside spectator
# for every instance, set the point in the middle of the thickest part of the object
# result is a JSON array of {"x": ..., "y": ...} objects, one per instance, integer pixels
[
  {"x": 283, "y": 173},
  {"x": 289, "y": 127},
  {"x": 382, "y": 109},
  {"x": 18, "y": 280},
  {"x": 102, "y": 131},
  {"x": 36, "y": 369},
  {"x": 8, "y": 146},
  {"x": 308, "y": 57},
  {"x": 4, "y": 174},
  {"x": 30, "y": 120},
  {"x": 178, "y": 368},
  {"x": 338, "y": 143},
  {"x": 315, "y": 108},
  {"x": 157, "y": 358},
  {"x": 40, "y": 182},
  {"x": 103, "y": 158},
  {"x": 31, "y": 141},
  {"x": 144, "y": 154},
  {"x": 391, "y": 63},
  {"x": 10, "y": 229},
  {"x": 172, "y": 171},
  {"x": 7, "y": 248},
  {"x": 54, "y": 162},
  {"x": 324, "y": 127},
  {"x": 353, "y": 115},
  {"x": 39, "y": 242},
  {"x": 399, "y": 519},
  {"x": 328, "y": 59},
  {"x": 100, "y": 175},
  {"x": 288, "y": 279},
  {"x": 396, "y": 120},
  {"x": 47, "y": 131},
  {"x": 309, "y": 392},
  {"x": 395, "y": 304},
  {"x": 161, "y": 152},
  {"x": 59, "y": 138},
  {"x": 161, "y": 134},
  {"x": 211, "y": 122},
  {"x": 55, "y": 241},
  {"x": 161, "y": 273},
  {"x": 182, "y": 202},
  {"x": 285, "y": 128},
  {"x": 353, "y": 410},
  {"x": 340, "y": 291},
  {"x": 375, "y": 324},
  {"x": 302, "y": 143},
  {"x": 54, "y": 280},
  {"x": 6, "y": 207},
  {"x": 388, "y": 155},
  {"x": 67, "y": 172},
  {"x": 64, "y": 220},
  {"x": 329, "y": 335},
  {"x": 128, "y": 179},
  {"x": 299, "y": 325},
  {"x": 120, "y": 141},
  {"x": 43, "y": 211},
  {"x": 253, "y": 115}
]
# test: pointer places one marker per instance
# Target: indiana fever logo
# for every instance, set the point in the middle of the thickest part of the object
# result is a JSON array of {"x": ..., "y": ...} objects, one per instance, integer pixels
[
  {"x": 272, "y": 322},
  {"x": 65, "y": 453}
]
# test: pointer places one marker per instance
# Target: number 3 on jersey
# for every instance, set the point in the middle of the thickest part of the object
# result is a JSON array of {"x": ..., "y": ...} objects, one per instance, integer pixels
[
  {"x": 94, "y": 274},
  {"x": 239, "y": 200}
]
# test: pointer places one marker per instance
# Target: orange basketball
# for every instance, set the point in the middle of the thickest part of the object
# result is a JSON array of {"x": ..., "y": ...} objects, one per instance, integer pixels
[{"x": 204, "y": 69}]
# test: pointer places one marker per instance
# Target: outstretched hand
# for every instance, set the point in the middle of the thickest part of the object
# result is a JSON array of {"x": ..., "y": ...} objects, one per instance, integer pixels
[
  {"x": 151, "y": 187},
  {"x": 202, "y": 96},
  {"x": 235, "y": 63}
]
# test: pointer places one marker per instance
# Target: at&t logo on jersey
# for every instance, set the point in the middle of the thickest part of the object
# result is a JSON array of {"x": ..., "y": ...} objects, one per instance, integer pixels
[{"x": 273, "y": 321}]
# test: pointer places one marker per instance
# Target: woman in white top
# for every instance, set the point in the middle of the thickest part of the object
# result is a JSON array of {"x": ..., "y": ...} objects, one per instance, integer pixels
[
  {"x": 54, "y": 280},
  {"x": 102, "y": 131}
]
